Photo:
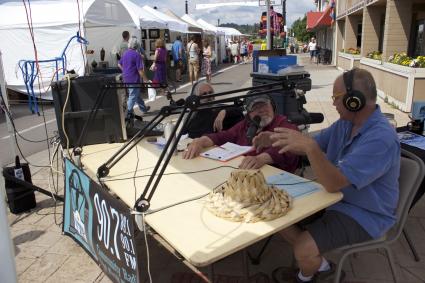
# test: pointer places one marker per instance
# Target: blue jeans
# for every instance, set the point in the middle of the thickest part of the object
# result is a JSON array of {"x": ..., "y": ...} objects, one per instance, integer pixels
[{"x": 134, "y": 97}]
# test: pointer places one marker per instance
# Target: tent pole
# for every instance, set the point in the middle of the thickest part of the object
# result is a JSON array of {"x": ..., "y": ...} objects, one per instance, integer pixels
[{"x": 6, "y": 102}]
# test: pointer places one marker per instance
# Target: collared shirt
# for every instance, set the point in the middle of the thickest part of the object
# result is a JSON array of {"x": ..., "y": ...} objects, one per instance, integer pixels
[
  {"x": 237, "y": 135},
  {"x": 371, "y": 162},
  {"x": 131, "y": 63}
]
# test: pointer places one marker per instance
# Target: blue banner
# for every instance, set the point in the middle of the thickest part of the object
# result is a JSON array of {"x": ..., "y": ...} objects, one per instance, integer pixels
[{"x": 101, "y": 224}]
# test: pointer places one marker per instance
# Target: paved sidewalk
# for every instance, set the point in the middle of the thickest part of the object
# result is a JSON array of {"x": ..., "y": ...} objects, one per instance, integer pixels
[{"x": 43, "y": 254}]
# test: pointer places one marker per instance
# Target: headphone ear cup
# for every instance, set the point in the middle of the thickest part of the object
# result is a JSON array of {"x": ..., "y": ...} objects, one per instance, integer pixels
[{"x": 354, "y": 101}]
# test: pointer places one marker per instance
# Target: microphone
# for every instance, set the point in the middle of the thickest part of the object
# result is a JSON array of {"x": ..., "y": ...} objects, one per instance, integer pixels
[
  {"x": 305, "y": 118},
  {"x": 253, "y": 128}
]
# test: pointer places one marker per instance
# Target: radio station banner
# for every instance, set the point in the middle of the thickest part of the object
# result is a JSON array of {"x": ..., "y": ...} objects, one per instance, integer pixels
[{"x": 101, "y": 224}]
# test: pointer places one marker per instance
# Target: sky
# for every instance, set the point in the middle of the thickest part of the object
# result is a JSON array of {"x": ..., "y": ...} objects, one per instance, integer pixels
[
  {"x": 241, "y": 15},
  {"x": 230, "y": 14}
]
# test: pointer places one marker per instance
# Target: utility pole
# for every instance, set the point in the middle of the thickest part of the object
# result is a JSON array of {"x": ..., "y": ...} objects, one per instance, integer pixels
[
  {"x": 218, "y": 22},
  {"x": 268, "y": 26},
  {"x": 187, "y": 8},
  {"x": 284, "y": 19}
]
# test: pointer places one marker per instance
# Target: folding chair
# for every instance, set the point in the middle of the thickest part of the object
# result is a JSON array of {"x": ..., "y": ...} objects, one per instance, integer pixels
[{"x": 412, "y": 172}]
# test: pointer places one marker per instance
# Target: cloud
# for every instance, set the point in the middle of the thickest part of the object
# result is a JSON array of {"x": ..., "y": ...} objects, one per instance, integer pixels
[
  {"x": 228, "y": 14},
  {"x": 231, "y": 14}
]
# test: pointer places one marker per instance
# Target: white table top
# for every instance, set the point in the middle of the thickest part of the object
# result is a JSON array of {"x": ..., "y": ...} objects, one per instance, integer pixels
[{"x": 198, "y": 235}]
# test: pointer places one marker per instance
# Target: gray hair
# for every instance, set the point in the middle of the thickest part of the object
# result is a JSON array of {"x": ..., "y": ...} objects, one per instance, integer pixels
[{"x": 133, "y": 43}]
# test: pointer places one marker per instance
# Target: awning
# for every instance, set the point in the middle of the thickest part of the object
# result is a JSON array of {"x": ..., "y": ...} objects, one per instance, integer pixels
[{"x": 318, "y": 19}]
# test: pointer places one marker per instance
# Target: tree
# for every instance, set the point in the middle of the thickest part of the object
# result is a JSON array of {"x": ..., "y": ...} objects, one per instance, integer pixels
[{"x": 299, "y": 28}]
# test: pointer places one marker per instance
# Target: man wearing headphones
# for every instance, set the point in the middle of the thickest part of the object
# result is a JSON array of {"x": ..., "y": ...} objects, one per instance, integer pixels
[
  {"x": 358, "y": 155},
  {"x": 261, "y": 110}
]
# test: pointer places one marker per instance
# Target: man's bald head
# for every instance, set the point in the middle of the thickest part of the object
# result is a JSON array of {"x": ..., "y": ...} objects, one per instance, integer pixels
[
  {"x": 203, "y": 89},
  {"x": 364, "y": 82}
]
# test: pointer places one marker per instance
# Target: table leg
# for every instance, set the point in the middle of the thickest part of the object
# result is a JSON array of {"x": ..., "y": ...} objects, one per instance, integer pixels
[
  {"x": 211, "y": 273},
  {"x": 245, "y": 266}
]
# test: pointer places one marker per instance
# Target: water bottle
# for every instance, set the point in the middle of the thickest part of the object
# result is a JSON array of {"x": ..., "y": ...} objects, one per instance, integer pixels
[
  {"x": 168, "y": 130},
  {"x": 19, "y": 173}
]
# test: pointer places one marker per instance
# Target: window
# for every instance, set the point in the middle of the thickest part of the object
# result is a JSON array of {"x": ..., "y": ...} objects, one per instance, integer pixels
[
  {"x": 381, "y": 33},
  {"x": 359, "y": 35},
  {"x": 419, "y": 38}
]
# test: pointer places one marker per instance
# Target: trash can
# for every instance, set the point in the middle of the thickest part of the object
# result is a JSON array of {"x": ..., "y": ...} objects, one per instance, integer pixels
[
  {"x": 286, "y": 101},
  {"x": 20, "y": 194}
]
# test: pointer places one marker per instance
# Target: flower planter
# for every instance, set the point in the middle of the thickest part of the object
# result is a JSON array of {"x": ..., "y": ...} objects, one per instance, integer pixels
[
  {"x": 399, "y": 85},
  {"x": 348, "y": 61}
]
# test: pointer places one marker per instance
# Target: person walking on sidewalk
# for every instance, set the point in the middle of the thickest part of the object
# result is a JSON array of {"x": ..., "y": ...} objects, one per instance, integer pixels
[
  {"x": 193, "y": 59},
  {"x": 206, "y": 64},
  {"x": 343, "y": 158},
  {"x": 131, "y": 65},
  {"x": 178, "y": 52},
  {"x": 312, "y": 48}
]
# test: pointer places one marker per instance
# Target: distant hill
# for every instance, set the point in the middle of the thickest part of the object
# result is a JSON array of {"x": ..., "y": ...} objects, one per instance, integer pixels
[{"x": 245, "y": 29}]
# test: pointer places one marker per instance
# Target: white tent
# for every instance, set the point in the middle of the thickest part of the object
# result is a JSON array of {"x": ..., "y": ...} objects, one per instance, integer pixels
[
  {"x": 172, "y": 23},
  {"x": 209, "y": 26},
  {"x": 54, "y": 23},
  {"x": 193, "y": 22},
  {"x": 230, "y": 31}
]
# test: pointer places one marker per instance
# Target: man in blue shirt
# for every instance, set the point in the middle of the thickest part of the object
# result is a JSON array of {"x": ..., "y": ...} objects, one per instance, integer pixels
[
  {"x": 178, "y": 52},
  {"x": 358, "y": 155}
]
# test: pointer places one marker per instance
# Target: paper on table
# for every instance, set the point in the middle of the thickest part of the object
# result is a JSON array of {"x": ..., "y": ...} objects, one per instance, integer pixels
[
  {"x": 227, "y": 151},
  {"x": 412, "y": 139},
  {"x": 294, "y": 185}
]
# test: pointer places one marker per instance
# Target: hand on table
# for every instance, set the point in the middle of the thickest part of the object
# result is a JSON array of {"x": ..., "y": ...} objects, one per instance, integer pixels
[
  {"x": 193, "y": 150},
  {"x": 255, "y": 162}
]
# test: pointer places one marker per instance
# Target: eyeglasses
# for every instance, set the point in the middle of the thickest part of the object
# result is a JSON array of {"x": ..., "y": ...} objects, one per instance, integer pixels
[
  {"x": 207, "y": 92},
  {"x": 336, "y": 95}
]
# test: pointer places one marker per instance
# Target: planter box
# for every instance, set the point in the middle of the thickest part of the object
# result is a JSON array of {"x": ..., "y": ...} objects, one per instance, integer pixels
[
  {"x": 348, "y": 61},
  {"x": 399, "y": 85}
]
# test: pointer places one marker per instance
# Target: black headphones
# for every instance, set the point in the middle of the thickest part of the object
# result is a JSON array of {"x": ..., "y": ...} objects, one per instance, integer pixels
[{"x": 353, "y": 100}]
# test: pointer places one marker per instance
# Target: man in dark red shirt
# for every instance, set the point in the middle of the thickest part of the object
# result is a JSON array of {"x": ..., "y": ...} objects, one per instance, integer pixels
[{"x": 256, "y": 106}]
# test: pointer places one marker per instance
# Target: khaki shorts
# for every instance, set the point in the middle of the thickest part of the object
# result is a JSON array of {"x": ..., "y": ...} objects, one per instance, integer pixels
[{"x": 193, "y": 67}]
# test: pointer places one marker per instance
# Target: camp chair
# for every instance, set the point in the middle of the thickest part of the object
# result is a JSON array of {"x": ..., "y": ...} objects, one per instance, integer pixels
[{"x": 412, "y": 172}]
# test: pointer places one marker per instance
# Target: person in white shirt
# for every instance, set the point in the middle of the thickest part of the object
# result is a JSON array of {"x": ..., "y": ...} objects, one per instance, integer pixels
[{"x": 312, "y": 47}]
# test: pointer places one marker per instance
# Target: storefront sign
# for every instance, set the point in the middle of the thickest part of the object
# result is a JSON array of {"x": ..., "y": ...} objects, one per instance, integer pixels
[{"x": 101, "y": 224}]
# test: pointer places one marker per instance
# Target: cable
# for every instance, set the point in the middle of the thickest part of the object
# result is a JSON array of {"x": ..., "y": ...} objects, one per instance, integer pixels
[
  {"x": 147, "y": 248},
  {"x": 12, "y": 121},
  {"x": 63, "y": 114},
  {"x": 134, "y": 175},
  {"x": 173, "y": 173}
]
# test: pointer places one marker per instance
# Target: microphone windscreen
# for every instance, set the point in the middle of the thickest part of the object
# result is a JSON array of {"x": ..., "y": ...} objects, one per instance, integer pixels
[
  {"x": 256, "y": 120},
  {"x": 316, "y": 118}
]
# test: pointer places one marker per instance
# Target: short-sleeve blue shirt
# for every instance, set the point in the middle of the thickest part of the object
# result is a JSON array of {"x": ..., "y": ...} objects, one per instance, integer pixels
[{"x": 371, "y": 162}]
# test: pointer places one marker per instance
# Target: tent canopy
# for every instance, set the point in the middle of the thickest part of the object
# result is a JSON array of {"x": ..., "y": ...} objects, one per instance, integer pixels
[
  {"x": 230, "y": 31},
  {"x": 172, "y": 23},
  {"x": 191, "y": 28},
  {"x": 193, "y": 22},
  {"x": 209, "y": 26}
]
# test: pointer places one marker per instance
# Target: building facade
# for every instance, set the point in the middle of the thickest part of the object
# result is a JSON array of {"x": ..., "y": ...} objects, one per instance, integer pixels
[
  {"x": 321, "y": 23},
  {"x": 369, "y": 33}
]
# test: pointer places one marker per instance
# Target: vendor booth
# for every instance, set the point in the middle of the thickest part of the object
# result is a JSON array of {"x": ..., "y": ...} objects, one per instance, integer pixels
[{"x": 54, "y": 24}]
